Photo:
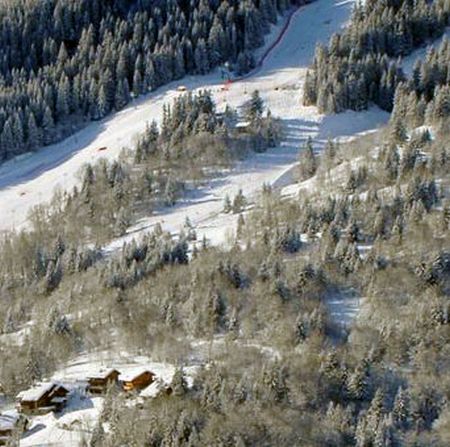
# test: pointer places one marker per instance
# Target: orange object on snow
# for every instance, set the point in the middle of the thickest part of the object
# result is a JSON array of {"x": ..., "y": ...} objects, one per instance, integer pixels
[{"x": 226, "y": 86}]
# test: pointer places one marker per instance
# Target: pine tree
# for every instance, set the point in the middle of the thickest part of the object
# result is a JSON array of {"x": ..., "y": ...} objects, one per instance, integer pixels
[
  {"x": 310, "y": 89},
  {"x": 48, "y": 126},
  {"x": 308, "y": 161},
  {"x": 179, "y": 384},
  {"x": 398, "y": 131},
  {"x": 103, "y": 103},
  {"x": 98, "y": 435},
  {"x": 53, "y": 276},
  {"x": 239, "y": 202},
  {"x": 375, "y": 412},
  {"x": 357, "y": 384},
  {"x": 122, "y": 97},
  {"x": 255, "y": 108},
  {"x": 34, "y": 134},
  {"x": 202, "y": 61},
  {"x": 122, "y": 222},
  {"x": 401, "y": 411},
  {"x": 33, "y": 369}
]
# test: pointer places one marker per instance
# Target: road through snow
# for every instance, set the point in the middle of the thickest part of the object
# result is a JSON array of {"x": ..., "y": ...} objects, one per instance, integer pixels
[{"x": 28, "y": 181}]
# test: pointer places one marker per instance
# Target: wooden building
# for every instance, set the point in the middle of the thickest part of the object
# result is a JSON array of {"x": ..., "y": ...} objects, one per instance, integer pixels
[
  {"x": 43, "y": 399},
  {"x": 243, "y": 127},
  {"x": 100, "y": 382},
  {"x": 157, "y": 388},
  {"x": 11, "y": 421},
  {"x": 137, "y": 380}
]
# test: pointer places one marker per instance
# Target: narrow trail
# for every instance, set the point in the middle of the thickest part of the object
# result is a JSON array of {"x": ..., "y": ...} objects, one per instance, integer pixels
[{"x": 272, "y": 47}]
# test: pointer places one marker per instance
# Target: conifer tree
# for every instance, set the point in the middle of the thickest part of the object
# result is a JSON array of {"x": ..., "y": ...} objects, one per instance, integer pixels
[{"x": 308, "y": 161}]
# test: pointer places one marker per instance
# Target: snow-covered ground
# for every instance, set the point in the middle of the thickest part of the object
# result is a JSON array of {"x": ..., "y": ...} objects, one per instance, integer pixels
[
  {"x": 343, "y": 307},
  {"x": 75, "y": 424},
  {"x": 30, "y": 180}
]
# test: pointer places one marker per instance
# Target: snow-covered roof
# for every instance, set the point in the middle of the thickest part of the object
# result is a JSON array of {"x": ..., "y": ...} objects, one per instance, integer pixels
[
  {"x": 131, "y": 375},
  {"x": 102, "y": 374},
  {"x": 242, "y": 125},
  {"x": 154, "y": 389},
  {"x": 36, "y": 393},
  {"x": 8, "y": 420}
]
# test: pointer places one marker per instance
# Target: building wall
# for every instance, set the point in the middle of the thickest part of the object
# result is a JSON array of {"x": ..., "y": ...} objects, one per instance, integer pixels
[{"x": 139, "y": 382}]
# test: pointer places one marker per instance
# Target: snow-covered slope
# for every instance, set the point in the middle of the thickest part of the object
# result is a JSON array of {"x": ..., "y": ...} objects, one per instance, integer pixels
[
  {"x": 74, "y": 426},
  {"x": 31, "y": 180},
  {"x": 420, "y": 54}
]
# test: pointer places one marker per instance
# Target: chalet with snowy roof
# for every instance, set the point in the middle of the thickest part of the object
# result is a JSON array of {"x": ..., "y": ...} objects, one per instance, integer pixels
[
  {"x": 242, "y": 126},
  {"x": 100, "y": 382},
  {"x": 137, "y": 380},
  {"x": 11, "y": 421},
  {"x": 157, "y": 388},
  {"x": 43, "y": 398}
]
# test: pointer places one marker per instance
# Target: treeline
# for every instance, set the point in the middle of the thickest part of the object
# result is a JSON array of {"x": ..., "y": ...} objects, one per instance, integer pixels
[
  {"x": 358, "y": 67},
  {"x": 62, "y": 62}
]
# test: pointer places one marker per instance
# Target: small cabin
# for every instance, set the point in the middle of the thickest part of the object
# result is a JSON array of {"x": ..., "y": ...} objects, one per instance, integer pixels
[
  {"x": 157, "y": 388},
  {"x": 100, "y": 382},
  {"x": 137, "y": 380},
  {"x": 182, "y": 89},
  {"x": 11, "y": 421},
  {"x": 43, "y": 399},
  {"x": 242, "y": 126}
]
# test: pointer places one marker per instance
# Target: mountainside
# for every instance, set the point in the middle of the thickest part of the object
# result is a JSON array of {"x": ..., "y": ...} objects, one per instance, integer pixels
[
  {"x": 359, "y": 67},
  {"x": 258, "y": 259},
  {"x": 64, "y": 62}
]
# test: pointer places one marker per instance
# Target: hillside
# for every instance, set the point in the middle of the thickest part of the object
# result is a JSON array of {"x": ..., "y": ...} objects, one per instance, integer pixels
[
  {"x": 263, "y": 260},
  {"x": 74, "y": 62},
  {"x": 57, "y": 166}
]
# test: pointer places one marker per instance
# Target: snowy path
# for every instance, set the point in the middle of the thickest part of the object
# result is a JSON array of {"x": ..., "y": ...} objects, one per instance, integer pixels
[
  {"x": 31, "y": 180},
  {"x": 343, "y": 307}
]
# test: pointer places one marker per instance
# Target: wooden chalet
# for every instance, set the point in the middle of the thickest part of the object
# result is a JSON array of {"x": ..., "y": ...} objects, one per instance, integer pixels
[
  {"x": 242, "y": 127},
  {"x": 10, "y": 422},
  {"x": 137, "y": 380},
  {"x": 100, "y": 382},
  {"x": 157, "y": 388},
  {"x": 42, "y": 399}
]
